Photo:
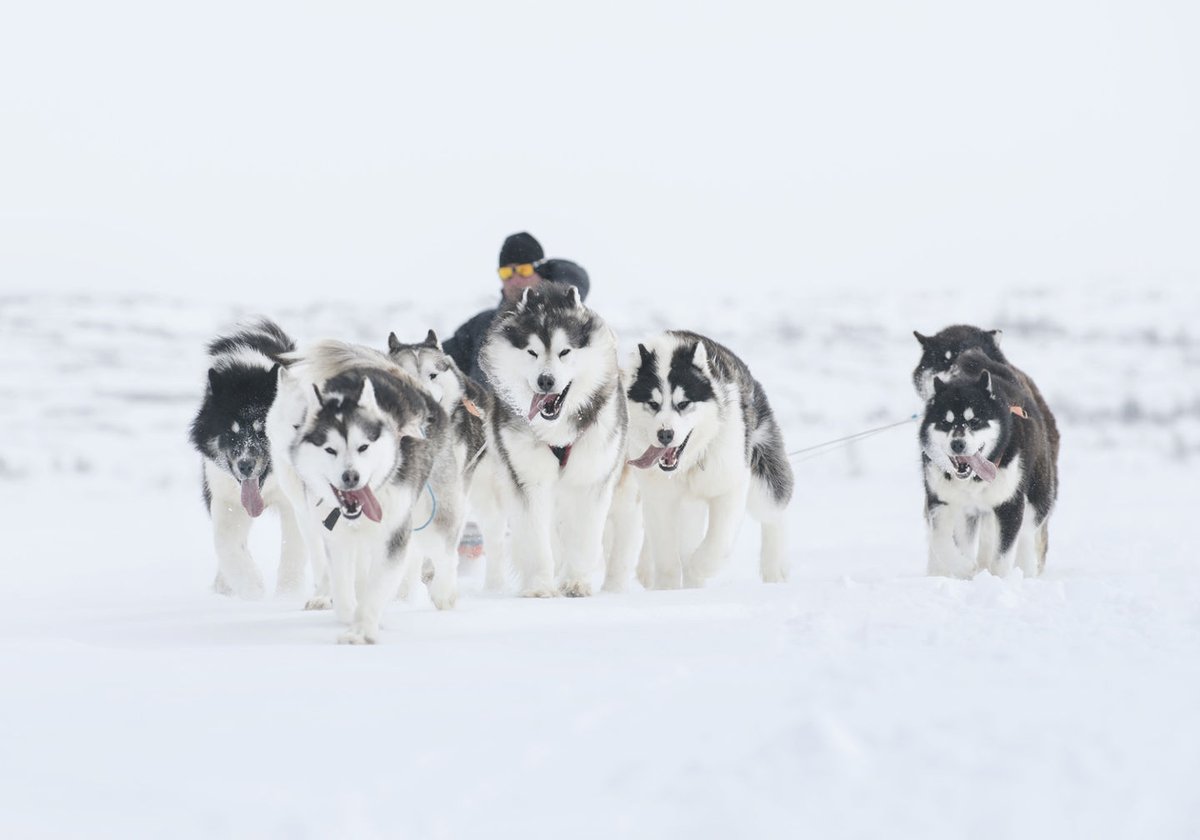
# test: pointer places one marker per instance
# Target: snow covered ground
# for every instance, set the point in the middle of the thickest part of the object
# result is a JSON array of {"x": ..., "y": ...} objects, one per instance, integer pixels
[{"x": 861, "y": 699}]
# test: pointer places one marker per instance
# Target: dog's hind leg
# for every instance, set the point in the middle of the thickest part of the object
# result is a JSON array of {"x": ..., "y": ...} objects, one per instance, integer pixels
[
  {"x": 773, "y": 561},
  {"x": 1011, "y": 516},
  {"x": 1027, "y": 545},
  {"x": 489, "y": 513},
  {"x": 236, "y": 572}
]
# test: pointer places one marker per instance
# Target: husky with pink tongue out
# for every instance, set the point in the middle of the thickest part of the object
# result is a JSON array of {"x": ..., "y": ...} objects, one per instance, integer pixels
[
  {"x": 366, "y": 453},
  {"x": 555, "y": 434},
  {"x": 703, "y": 447},
  {"x": 240, "y": 479},
  {"x": 989, "y": 452}
]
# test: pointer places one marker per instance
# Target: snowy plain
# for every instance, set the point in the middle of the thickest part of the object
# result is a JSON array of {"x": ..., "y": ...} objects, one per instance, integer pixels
[
  {"x": 860, "y": 699},
  {"x": 806, "y": 182}
]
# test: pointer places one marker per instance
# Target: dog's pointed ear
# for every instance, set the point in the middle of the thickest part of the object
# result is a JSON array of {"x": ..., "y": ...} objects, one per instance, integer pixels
[
  {"x": 431, "y": 341},
  {"x": 366, "y": 396},
  {"x": 524, "y": 301},
  {"x": 996, "y": 336},
  {"x": 576, "y": 300},
  {"x": 647, "y": 358},
  {"x": 393, "y": 343},
  {"x": 317, "y": 392},
  {"x": 700, "y": 356},
  {"x": 924, "y": 339},
  {"x": 938, "y": 386},
  {"x": 985, "y": 379},
  {"x": 214, "y": 381},
  {"x": 414, "y": 427}
]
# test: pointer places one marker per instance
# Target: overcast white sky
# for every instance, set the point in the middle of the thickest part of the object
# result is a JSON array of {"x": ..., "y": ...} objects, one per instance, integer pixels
[{"x": 242, "y": 149}]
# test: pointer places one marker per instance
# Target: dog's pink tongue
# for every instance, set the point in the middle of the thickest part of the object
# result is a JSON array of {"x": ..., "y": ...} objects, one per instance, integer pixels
[
  {"x": 370, "y": 504},
  {"x": 539, "y": 400},
  {"x": 649, "y": 457},
  {"x": 252, "y": 499},
  {"x": 983, "y": 468}
]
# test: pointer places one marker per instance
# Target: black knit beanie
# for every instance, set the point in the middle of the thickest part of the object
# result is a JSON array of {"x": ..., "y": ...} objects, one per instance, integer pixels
[{"x": 520, "y": 248}]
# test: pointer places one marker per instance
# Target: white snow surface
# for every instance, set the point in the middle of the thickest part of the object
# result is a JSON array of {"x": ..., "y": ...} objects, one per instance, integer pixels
[{"x": 861, "y": 699}]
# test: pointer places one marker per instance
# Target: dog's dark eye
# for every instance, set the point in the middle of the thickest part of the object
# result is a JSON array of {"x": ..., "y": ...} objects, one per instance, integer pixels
[
  {"x": 330, "y": 450},
  {"x": 977, "y": 423},
  {"x": 532, "y": 353},
  {"x": 363, "y": 448},
  {"x": 683, "y": 405},
  {"x": 653, "y": 406},
  {"x": 433, "y": 376},
  {"x": 564, "y": 353}
]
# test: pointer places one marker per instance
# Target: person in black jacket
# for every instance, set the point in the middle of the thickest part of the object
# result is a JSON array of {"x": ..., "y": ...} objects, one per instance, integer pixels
[{"x": 523, "y": 264}]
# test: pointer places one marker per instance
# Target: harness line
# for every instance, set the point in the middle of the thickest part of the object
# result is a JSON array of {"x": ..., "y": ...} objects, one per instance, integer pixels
[
  {"x": 830, "y": 445},
  {"x": 432, "y": 513}
]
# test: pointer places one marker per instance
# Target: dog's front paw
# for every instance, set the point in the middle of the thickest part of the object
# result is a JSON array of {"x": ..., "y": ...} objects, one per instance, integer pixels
[
  {"x": 443, "y": 593},
  {"x": 612, "y": 584},
  {"x": 248, "y": 589},
  {"x": 576, "y": 588},
  {"x": 358, "y": 635},
  {"x": 539, "y": 591},
  {"x": 319, "y": 602}
]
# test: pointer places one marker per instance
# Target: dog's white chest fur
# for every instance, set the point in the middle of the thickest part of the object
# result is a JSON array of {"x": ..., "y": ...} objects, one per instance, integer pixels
[{"x": 972, "y": 494}]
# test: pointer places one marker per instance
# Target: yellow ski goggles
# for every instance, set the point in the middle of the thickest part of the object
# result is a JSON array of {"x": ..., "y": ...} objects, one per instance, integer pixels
[{"x": 523, "y": 270}]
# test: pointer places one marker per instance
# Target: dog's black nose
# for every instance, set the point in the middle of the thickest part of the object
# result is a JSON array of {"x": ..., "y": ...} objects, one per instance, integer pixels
[
  {"x": 350, "y": 478},
  {"x": 245, "y": 466},
  {"x": 958, "y": 444},
  {"x": 665, "y": 436},
  {"x": 546, "y": 383}
]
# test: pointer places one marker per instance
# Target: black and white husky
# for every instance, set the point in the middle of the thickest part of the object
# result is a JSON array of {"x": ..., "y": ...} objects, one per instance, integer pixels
[
  {"x": 464, "y": 402},
  {"x": 240, "y": 479},
  {"x": 989, "y": 453},
  {"x": 557, "y": 433},
  {"x": 368, "y": 451},
  {"x": 705, "y": 445}
]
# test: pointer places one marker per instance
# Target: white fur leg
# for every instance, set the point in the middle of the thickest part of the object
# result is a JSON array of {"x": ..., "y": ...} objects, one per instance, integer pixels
[
  {"x": 341, "y": 575},
  {"x": 662, "y": 540},
  {"x": 989, "y": 539},
  {"x": 772, "y": 561},
  {"x": 293, "y": 556},
  {"x": 622, "y": 534},
  {"x": 724, "y": 513},
  {"x": 443, "y": 587},
  {"x": 236, "y": 572},
  {"x": 1027, "y": 552},
  {"x": 381, "y": 581},
  {"x": 945, "y": 558},
  {"x": 493, "y": 526},
  {"x": 645, "y": 566},
  {"x": 582, "y": 515},
  {"x": 532, "y": 526}
]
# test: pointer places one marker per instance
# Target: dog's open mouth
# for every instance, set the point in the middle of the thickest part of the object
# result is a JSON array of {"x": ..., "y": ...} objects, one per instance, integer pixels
[
  {"x": 549, "y": 406},
  {"x": 966, "y": 466},
  {"x": 667, "y": 457},
  {"x": 355, "y": 503}
]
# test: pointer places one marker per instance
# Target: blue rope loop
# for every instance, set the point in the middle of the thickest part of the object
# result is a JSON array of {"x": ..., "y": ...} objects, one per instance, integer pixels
[{"x": 432, "y": 513}]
